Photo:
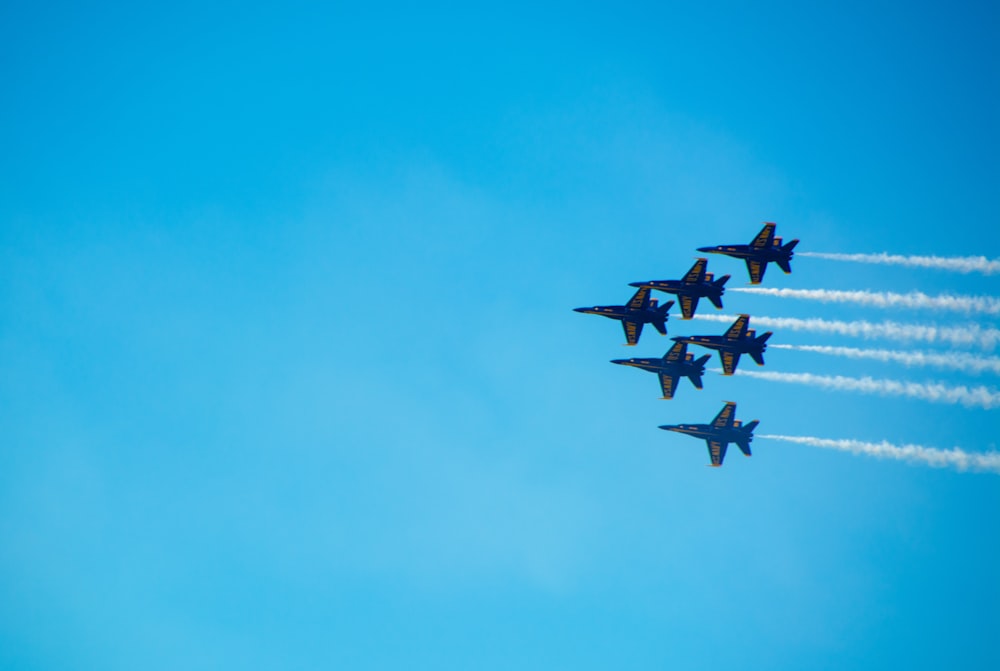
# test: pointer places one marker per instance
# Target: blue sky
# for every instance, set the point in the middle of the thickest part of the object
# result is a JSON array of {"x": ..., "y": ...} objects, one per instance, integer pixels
[{"x": 290, "y": 377}]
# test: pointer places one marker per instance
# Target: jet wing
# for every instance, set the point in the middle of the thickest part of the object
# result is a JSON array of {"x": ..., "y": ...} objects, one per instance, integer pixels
[
  {"x": 668, "y": 383},
  {"x": 632, "y": 331},
  {"x": 676, "y": 353},
  {"x": 640, "y": 301},
  {"x": 764, "y": 239},
  {"x": 717, "y": 451},
  {"x": 729, "y": 362},
  {"x": 738, "y": 329},
  {"x": 697, "y": 272},
  {"x": 688, "y": 305},
  {"x": 724, "y": 419},
  {"x": 756, "y": 269}
]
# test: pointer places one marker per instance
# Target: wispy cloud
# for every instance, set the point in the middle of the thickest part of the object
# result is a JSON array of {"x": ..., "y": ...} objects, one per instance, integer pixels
[
  {"x": 931, "y": 456},
  {"x": 959, "y": 264},
  {"x": 962, "y": 361},
  {"x": 886, "y": 299},
  {"x": 971, "y": 397},
  {"x": 964, "y": 335}
]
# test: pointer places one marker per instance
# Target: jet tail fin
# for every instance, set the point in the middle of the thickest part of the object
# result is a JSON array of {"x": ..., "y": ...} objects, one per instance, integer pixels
[
  {"x": 699, "y": 366},
  {"x": 716, "y": 297},
  {"x": 784, "y": 263},
  {"x": 744, "y": 442},
  {"x": 758, "y": 354},
  {"x": 660, "y": 323}
]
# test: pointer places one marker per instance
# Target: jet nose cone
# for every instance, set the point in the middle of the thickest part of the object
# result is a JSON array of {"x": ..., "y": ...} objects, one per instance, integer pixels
[
  {"x": 637, "y": 284},
  {"x": 706, "y": 249},
  {"x": 668, "y": 427},
  {"x": 580, "y": 309},
  {"x": 620, "y": 361}
]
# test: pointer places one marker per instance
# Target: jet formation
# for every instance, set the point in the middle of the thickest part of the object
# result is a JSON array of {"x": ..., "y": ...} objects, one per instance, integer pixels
[
  {"x": 738, "y": 339},
  {"x": 762, "y": 250}
]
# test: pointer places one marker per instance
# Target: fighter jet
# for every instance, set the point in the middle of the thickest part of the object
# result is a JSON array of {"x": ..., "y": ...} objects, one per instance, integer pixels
[
  {"x": 674, "y": 364},
  {"x": 638, "y": 311},
  {"x": 694, "y": 285},
  {"x": 761, "y": 250},
  {"x": 722, "y": 431},
  {"x": 734, "y": 342}
]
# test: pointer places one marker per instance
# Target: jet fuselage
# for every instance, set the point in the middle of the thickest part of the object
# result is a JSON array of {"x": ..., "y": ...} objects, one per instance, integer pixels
[
  {"x": 745, "y": 345},
  {"x": 661, "y": 365},
  {"x": 769, "y": 254},
  {"x": 622, "y": 312},
  {"x": 712, "y": 292},
  {"x": 734, "y": 434}
]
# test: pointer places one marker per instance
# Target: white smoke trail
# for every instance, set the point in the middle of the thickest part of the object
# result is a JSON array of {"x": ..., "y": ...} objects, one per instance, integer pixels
[
  {"x": 886, "y": 299},
  {"x": 970, "y": 397},
  {"x": 960, "y": 264},
  {"x": 966, "y": 335},
  {"x": 951, "y": 360},
  {"x": 938, "y": 458}
]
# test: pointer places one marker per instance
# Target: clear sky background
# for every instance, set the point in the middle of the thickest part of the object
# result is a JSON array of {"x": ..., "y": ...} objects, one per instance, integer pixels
[{"x": 290, "y": 377}]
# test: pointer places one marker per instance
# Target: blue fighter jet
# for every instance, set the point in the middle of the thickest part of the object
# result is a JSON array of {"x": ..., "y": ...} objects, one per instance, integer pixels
[
  {"x": 638, "y": 311},
  {"x": 694, "y": 285},
  {"x": 722, "y": 431},
  {"x": 674, "y": 364},
  {"x": 762, "y": 250},
  {"x": 734, "y": 342}
]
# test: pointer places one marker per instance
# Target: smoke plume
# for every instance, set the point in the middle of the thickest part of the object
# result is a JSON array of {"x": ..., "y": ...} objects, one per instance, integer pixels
[
  {"x": 970, "y": 397},
  {"x": 931, "y": 456},
  {"x": 886, "y": 299},
  {"x": 962, "y": 361},
  {"x": 959, "y": 264},
  {"x": 965, "y": 335}
]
